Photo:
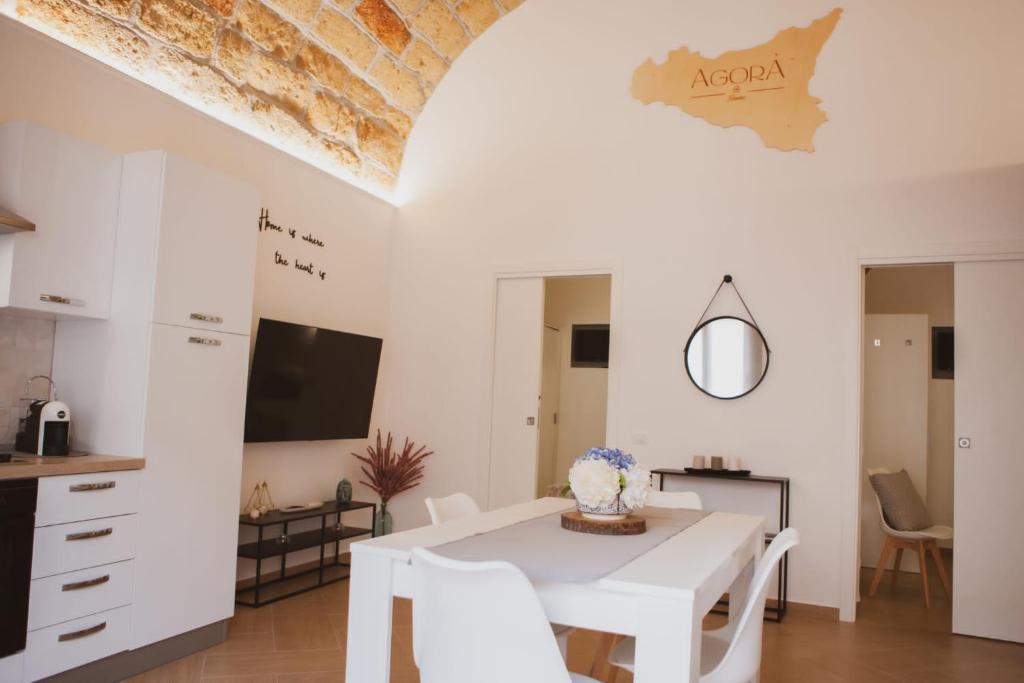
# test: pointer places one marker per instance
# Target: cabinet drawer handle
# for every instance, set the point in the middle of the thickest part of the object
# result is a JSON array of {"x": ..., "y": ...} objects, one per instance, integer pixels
[
  {"x": 84, "y": 535},
  {"x": 54, "y": 299},
  {"x": 79, "y": 585},
  {"x": 75, "y": 635},
  {"x": 205, "y": 341},
  {"x": 98, "y": 486},
  {"x": 206, "y": 318}
]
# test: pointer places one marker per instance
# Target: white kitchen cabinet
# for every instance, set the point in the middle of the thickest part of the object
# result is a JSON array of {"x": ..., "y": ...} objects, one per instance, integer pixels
[
  {"x": 57, "y": 648},
  {"x": 60, "y": 598},
  {"x": 82, "y": 571},
  {"x": 153, "y": 381},
  {"x": 67, "y": 547},
  {"x": 193, "y": 445},
  {"x": 78, "y": 497},
  {"x": 204, "y": 225},
  {"x": 70, "y": 190}
]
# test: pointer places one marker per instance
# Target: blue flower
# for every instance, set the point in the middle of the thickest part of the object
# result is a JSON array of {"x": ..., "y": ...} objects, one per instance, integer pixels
[{"x": 615, "y": 457}]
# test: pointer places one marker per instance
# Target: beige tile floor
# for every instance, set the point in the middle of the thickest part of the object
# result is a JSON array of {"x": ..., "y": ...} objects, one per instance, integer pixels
[{"x": 302, "y": 640}]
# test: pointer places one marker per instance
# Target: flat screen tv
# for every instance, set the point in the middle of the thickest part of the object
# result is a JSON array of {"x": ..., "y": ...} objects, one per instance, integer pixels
[{"x": 310, "y": 384}]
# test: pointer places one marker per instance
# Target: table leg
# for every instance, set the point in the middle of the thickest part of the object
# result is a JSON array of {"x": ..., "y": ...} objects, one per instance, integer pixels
[
  {"x": 368, "y": 654},
  {"x": 668, "y": 642},
  {"x": 738, "y": 591}
]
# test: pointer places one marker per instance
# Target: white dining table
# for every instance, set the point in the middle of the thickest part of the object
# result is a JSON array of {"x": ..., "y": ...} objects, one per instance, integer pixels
[{"x": 660, "y": 597}]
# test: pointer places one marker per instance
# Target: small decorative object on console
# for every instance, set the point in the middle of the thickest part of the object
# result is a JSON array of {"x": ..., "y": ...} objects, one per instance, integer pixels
[
  {"x": 391, "y": 473},
  {"x": 301, "y": 507},
  {"x": 260, "y": 502},
  {"x": 608, "y": 484},
  {"x": 343, "y": 494}
]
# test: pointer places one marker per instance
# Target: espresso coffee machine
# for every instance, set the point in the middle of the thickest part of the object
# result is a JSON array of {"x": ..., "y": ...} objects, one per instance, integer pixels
[{"x": 46, "y": 427}]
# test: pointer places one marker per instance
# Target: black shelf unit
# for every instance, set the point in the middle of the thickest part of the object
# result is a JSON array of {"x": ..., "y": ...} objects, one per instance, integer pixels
[
  {"x": 782, "y": 599},
  {"x": 282, "y": 544}
]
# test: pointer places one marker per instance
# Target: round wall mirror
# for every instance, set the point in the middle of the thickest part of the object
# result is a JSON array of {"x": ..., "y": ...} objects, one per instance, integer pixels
[{"x": 726, "y": 357}]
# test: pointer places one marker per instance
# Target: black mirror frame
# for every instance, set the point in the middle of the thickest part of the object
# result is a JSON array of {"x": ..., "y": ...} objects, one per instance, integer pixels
[{"x": 686, "y": 351}]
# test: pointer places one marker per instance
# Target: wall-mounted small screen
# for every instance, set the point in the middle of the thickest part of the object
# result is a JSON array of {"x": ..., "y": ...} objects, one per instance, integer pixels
[
  {"x": 590, "y": 346},
  {"x": 310, "y": 384},
  {"x": 942, "y": 353}
]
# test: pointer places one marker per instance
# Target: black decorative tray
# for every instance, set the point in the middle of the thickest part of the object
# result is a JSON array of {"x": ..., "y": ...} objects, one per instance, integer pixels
[{"x": 717, "y": 473}]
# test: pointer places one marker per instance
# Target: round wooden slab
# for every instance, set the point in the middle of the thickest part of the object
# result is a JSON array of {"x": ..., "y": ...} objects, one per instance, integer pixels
[{"x": 630, "y": 526}]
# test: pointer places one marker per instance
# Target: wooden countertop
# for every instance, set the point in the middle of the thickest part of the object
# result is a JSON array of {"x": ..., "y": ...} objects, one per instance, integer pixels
[{"x": 29, "y": 467}]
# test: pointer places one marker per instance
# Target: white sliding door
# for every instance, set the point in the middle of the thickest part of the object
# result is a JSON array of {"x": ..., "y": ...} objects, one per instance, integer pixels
[
  {"x": 989, "y": 476},
  {"x": 518, "y": 345}
]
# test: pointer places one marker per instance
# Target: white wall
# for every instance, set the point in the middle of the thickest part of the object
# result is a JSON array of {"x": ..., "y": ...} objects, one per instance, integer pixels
[
  {"x": 532, "y": 154},
  {"x": 53, "y": 85},
  {"x": 26, "y": 350},
  {"x": 583, "y": 392}
]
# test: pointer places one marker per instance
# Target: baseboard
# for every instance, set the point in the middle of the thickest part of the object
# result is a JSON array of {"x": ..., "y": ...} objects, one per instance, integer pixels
[
  {"x": 809, "y": 610},
  {"x": 131, "y": 662}
]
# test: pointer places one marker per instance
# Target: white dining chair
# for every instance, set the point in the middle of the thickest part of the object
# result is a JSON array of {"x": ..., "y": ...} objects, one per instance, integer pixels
[
  {"x": 688, "y": 500},
  {"x": 459, "y": 505},
  {"x": 481, "y": 621},
  {"x": 914, "y": 541},
  {"x": 451, "y": 507},
  {"x": 731, "y": 654}
]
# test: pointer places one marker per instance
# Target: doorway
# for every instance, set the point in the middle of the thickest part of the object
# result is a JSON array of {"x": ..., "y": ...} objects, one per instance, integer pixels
[
  {"x": 908, "y": 425},
  {"x": 574, "y": 388},
  {"x": 552, "y": 357}
]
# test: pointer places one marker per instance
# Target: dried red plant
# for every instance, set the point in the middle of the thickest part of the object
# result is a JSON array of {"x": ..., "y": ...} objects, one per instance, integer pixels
[{"x": 391, "y": 472}]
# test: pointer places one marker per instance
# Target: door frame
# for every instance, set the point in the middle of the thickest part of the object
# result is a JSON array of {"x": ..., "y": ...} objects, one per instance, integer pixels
[
  {"x": 610, "y": 268},
  {"x": 849, "y": 574}
]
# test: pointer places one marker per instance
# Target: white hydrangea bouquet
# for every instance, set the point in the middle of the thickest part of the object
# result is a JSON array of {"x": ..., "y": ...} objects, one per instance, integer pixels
[{"x": 608, "y": 484}]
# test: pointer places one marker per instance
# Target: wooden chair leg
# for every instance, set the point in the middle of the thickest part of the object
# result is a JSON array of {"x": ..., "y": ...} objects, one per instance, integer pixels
[
  {"x": 940, "y": 566},
  {"x": 924, "y": 573},
  {"x": 880, "y": 567},
  {"x": 601, "y": 669},
  {"x": 896, "y": 566}
]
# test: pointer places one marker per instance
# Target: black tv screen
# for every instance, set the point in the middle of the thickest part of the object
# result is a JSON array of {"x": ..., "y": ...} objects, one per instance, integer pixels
[
  {"x": 590, "y": 346},
  {"x": 310, "y": 384}
]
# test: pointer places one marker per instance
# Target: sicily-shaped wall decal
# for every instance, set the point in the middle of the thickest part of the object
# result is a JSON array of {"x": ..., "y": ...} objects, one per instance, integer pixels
[{"x": 764, "y": 87}]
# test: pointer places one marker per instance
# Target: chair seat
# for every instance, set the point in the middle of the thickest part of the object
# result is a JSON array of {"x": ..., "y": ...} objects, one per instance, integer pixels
[
  {"x": 713, "y": 645},
  {"x": 938, "y": 533}
]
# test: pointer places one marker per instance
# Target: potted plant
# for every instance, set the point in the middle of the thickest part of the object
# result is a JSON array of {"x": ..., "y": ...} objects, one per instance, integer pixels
[
  {"x": 608, "y": 484},
  {"x": 389, "y": 473}
]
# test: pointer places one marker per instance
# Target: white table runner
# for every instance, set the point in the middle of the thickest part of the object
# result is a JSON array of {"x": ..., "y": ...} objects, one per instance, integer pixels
[{"x": 544, "y": 551}]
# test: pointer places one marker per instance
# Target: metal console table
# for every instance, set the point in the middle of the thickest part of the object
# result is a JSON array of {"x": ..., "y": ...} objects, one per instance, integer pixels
[
  {"x": 782, "y": 599},
  {"x": 284, "y": 543}
]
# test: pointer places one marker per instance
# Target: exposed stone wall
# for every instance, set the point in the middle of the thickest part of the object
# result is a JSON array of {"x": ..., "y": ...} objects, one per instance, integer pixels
[{"x": 338, "y": 83}]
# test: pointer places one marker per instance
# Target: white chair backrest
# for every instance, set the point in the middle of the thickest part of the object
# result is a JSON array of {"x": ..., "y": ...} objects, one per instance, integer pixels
[
  {"x": 878, "y": 501},
  {"x": 743, "y": 658},
  {"x": 451, "y": 507},
  {"x": 688, "y": 500},
  {"x": 480, "y": 621}
]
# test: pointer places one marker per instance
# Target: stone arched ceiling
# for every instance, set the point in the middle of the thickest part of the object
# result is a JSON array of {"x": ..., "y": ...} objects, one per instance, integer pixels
[{"x": 337, "y": 83}]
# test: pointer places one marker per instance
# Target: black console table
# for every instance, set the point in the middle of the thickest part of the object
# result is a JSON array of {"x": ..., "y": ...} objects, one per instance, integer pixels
[
  {"x": 782, "y": 599},
  {"x": 284, "y": 543}
]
